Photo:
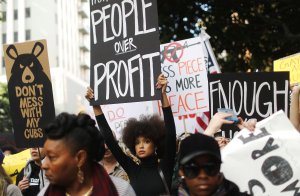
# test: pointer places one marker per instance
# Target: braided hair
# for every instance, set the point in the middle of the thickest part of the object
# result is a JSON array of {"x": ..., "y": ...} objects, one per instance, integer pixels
[{"x": 78, "y": 132}]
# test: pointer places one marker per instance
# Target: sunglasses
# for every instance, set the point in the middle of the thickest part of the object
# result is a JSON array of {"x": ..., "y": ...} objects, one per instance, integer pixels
[{"x": 192, "y": 170}]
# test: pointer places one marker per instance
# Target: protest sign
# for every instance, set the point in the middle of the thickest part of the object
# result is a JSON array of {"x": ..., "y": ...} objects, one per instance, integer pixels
[
  {"x": 211, "y": 63},
  {"x": 266, "y": 161},
  {"x": 13, "y": 164},
  {"x": 30, "y": 91},
  {"x": 124, "y": 51},
  {"x": 250, "y": 95},
  {"x": 184, "y": 66},
  {"x": 118, "y": 114},
  {"x": 291, "y": 64}
]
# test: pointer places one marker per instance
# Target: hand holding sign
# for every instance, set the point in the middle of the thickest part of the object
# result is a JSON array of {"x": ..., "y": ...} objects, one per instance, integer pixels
[
  {"x": 249, "y": 124},
  {"x": 23, "y": 184},
  {"x": 90, "y": 96},
  {"x": 162, "y": 83}
]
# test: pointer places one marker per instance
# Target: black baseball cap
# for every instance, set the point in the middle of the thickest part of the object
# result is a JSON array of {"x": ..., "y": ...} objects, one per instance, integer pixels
[{"x": 198, "y": 144}]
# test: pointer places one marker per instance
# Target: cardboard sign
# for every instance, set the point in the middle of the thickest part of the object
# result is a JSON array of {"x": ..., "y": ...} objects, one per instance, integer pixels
[
  {"x": 13, "y": 164},
  {"x": 250, "y": 95},
  {"x": 30, "y": 91},
  {"x": 291, "y": 64},
  {"x": 184, "y": 66},
  {"x": 124, "y": 51},
  {"x": 265, "y": 162}
]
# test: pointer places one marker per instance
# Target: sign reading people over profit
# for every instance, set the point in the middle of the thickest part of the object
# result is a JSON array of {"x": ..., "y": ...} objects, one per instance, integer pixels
[
  {"x": 184, "y": 66},
  {"x": 266, "y": 161},
  {"x": 30, "y": 91},
  {"x": 250, "y": 95},
  {"x": 291, "y": 64},
  {"x": 124, "y": 51}
]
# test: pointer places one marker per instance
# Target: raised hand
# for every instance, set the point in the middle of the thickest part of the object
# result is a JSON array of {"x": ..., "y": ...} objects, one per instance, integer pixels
[
  {"x": 89, "y": 94},
  {"x": 216, "y": 123},
  {"x": 162, "y": 83}
]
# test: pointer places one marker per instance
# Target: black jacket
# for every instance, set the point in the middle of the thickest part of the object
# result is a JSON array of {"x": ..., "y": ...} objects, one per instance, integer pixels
[
  {"x": 226, "y": 188},
  {"x": 36, "y": 181}
]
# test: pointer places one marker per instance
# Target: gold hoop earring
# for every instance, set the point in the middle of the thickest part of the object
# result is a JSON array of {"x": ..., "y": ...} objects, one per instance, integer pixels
[{"x": 80, "y": 175}]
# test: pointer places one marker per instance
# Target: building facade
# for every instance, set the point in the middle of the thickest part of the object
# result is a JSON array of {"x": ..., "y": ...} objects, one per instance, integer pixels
[{"x": 65, "y": 26}]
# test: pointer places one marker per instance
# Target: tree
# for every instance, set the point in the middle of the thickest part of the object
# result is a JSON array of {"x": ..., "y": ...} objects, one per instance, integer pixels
[
  {"x": 5, "y": 118},
  {"x": 244, "y": 34}
]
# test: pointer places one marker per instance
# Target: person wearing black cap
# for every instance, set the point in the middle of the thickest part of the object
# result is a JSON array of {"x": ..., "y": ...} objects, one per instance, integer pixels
[
  {"x": 31, "y": 178},
  {"x": 200, "y": 162}
]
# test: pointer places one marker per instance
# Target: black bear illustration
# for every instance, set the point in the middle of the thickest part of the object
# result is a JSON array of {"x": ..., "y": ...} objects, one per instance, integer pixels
[{"x": 31, "y": 97}]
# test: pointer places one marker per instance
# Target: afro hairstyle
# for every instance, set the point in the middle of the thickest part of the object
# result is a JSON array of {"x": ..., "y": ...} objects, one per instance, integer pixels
[{"x": 148, "y": 126}]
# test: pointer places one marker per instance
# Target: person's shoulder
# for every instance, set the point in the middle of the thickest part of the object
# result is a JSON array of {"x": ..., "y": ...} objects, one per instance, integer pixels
[
  {"x": 13, "y": 190},
  {"x": 232, "y": 189},
  {"x": 122, "y": 186}
]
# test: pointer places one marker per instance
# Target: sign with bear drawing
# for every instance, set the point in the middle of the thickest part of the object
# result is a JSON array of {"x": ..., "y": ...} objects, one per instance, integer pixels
[
  {"x": 125, "y": 58},
  {"x": 30, "y": 91}
]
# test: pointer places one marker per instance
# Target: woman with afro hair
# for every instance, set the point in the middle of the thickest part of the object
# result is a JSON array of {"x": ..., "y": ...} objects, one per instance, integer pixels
[{"x": 150, "y": 139}]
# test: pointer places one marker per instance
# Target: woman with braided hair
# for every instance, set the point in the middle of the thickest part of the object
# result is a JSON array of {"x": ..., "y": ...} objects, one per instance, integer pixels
[{"x": 73, "y": 148}]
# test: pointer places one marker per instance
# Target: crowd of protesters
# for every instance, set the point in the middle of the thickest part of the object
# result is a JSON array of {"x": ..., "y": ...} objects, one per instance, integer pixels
[{"x": 78, "y": 159}]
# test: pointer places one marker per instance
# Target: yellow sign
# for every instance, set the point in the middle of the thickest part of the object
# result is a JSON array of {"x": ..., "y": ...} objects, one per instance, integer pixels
[
  {"x": 291, "y": 64},
  {"x": 13, "y": 164}
]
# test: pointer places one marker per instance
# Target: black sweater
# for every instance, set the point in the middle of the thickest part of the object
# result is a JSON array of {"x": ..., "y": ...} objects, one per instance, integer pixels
[{"x": 145, "y": 178}]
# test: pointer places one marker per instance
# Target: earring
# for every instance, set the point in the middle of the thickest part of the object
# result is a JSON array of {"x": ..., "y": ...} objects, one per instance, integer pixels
[
  {"x": 80, "y": 175},
  {"x": 181, "y": 178},
  {"x": 155, "y": 151}
]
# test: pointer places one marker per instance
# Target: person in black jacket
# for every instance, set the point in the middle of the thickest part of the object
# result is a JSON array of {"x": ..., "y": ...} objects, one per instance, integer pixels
[
  {"x": 199, "y": 163},
  {"x": 32, "y": 179},
  {"x": 143, "y": 138}
]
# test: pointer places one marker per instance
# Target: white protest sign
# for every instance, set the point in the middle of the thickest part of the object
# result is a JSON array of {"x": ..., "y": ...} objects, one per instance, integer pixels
[
  {"x": 183, "y": 65},
  {"x": 118, "y": 114},
  {"x": 265, "y": 162}
]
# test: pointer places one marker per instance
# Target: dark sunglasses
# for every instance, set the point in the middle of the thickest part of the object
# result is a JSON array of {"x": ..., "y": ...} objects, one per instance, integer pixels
[{"x": 192, "y": 170}]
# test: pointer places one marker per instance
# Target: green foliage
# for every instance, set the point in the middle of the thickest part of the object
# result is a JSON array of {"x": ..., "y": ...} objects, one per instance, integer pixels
[
  {"x": 5, "y": 118},
  {"x": 244, "y": 34}
]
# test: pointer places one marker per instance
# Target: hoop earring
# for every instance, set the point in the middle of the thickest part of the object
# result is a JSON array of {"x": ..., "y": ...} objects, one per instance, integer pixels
[{"x": 80, "y": 175}]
